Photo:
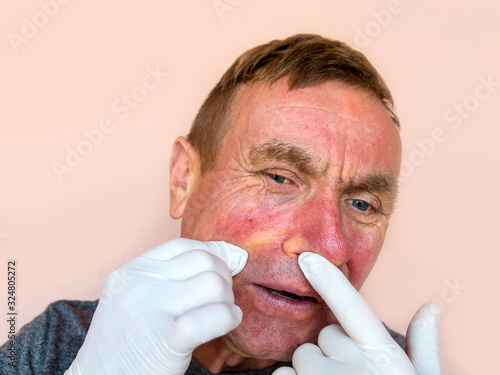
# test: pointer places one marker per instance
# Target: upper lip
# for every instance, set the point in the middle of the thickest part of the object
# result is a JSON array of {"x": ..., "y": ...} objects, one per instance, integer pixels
[{"x": 301, "y": 291}]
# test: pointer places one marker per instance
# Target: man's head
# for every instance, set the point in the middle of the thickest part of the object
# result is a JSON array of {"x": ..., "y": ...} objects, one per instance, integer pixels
[{"x": 306, "y": 160}]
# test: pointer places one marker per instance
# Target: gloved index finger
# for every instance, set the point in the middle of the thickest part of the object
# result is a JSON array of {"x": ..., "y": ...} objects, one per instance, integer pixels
[
  {"x": 349, "y": 307},
  {"x": 234, "y": 257}
]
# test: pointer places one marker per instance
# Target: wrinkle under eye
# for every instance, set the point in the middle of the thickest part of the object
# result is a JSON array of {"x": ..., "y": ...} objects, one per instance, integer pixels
[{"x": 359, "y": 204}]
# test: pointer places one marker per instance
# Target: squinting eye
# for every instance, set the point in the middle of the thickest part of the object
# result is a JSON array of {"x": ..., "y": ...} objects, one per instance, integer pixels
[
  {"x": 359, "y": 204},
  {"x": 279, "y": 179}
]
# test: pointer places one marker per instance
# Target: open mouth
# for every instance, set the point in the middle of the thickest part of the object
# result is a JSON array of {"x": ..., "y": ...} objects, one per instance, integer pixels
[{"x": 289, "y": 296}]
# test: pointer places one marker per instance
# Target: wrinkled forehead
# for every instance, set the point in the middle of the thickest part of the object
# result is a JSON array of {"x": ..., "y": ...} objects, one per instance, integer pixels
[
  {"x": 322, "y": 117},
  {"x": 318, "y": 121},
  {"x": 323, "y": 103},
  {"x": 330, "y": 107}
]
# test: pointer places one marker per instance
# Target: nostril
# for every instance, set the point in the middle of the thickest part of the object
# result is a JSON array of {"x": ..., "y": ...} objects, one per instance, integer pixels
[{"x": 295, "y": 245}]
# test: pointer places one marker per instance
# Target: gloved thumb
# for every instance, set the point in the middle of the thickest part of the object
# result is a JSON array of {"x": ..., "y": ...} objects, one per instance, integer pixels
[
  {"x": 284, "y": 371},
  {"x": 235, "y": 257},
  {"x": 422, "y": 339}
]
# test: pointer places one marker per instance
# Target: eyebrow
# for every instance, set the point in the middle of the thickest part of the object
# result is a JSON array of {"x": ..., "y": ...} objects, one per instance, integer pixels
[{"x": 284, "y": 152}]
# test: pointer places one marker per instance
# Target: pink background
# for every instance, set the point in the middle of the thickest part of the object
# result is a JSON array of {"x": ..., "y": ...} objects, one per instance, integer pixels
[{"x": 67, "y": 234}]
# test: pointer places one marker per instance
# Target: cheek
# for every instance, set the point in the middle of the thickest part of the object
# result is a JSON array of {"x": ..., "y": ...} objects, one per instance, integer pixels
[
  {"x": 365, "y": 245},
  {"x": 251, "y": 226},
  {"x": 219, "y": 212}
]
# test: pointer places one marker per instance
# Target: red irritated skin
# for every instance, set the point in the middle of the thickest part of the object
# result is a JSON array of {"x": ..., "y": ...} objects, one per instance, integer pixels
[{"x": 312, "y": 169}]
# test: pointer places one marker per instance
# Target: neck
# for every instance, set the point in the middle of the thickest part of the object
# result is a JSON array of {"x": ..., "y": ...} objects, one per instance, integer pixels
[{"x": 218, "y": 356}]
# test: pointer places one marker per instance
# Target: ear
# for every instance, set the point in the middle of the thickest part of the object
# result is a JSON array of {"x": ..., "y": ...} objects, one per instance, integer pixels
[{"x": 185, "y": 169}]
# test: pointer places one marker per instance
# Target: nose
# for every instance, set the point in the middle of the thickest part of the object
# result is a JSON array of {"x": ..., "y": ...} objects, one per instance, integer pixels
[{"x": 318, "y": 228}]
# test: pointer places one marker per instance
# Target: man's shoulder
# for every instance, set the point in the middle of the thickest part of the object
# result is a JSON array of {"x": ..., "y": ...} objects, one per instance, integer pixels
[
  {"x": 50, "y": 342},
  {"x": 65, "y": 320},
  {"x": 399, "y": 338},
  {"x": 69, "y": 311}
]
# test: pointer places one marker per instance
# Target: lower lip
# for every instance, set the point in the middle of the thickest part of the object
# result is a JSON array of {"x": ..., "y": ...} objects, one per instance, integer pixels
[{"x": 275, "y": 304}]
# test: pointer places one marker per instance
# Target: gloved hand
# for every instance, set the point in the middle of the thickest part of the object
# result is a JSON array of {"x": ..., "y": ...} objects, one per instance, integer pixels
[
  {"x": 362, "y": 345},
  {"x": 156, "y": 309}
]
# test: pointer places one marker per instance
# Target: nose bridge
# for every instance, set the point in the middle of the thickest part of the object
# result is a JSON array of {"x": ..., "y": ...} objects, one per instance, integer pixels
[{"x": 319, "y": 229}]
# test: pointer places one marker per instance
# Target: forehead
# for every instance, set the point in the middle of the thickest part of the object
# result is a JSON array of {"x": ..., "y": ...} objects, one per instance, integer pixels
[{"x": 335, "y": 123}]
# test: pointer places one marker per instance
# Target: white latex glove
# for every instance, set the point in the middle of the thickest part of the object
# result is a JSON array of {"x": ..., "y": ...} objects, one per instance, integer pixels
[
  {"x": 156, "y": 309},
  {"x": 362, "y": 345}
]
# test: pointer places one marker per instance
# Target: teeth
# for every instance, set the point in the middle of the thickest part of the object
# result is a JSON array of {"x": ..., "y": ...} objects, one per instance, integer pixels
[{"x": 290, "y": 296}]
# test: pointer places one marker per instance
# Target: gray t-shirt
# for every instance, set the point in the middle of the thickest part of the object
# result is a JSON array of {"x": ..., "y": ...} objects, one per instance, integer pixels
[{"x": 49, "y": 344}]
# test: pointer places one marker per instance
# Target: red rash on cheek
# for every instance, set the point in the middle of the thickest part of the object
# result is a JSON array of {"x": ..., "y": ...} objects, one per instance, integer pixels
[
  {"x": 293, "y": 230},
  {"x": 254, "y": 229},
  {"x": 280, "y": 231}
]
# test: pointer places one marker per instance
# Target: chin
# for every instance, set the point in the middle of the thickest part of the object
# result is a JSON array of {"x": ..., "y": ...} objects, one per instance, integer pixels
[{"x": 271, "y": 343}]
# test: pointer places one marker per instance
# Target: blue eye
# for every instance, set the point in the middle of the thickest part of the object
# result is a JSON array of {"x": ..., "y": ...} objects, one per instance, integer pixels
[
  {"x": 279, "y": 179},
  {"x": 359, "y": 204}
]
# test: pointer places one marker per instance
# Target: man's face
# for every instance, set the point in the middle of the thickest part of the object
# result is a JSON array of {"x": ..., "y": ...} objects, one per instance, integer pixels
[{"x": 309, "y": 170}]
